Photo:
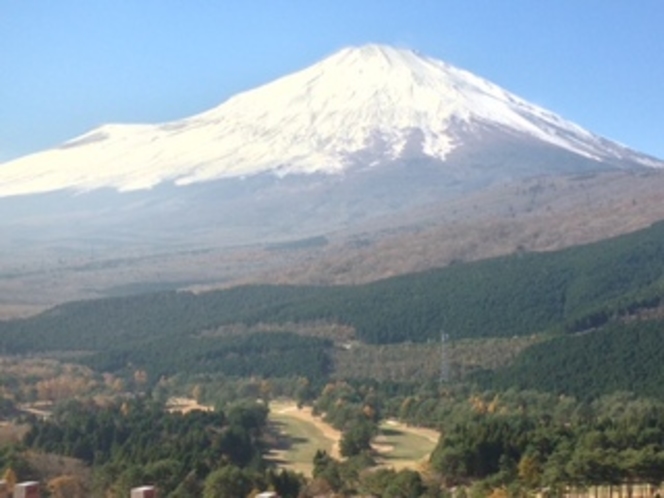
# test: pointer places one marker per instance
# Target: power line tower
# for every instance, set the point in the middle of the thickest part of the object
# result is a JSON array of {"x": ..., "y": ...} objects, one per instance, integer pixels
[{"x": 444, "y": 359}]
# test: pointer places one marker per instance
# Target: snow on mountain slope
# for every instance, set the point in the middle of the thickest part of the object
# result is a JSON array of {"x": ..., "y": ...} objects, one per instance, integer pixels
[{"x": 359, "y": 107}]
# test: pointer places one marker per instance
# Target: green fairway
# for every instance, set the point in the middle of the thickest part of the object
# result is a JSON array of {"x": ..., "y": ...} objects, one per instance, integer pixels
[
  {"x": 404, "y": 447},
  {"x": 300, "y": 435},
  {"x": 299, "y": 439}
]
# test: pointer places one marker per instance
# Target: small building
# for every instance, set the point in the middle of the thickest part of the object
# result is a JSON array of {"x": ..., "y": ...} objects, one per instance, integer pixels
[
  {"x": 267, "y": 494},
  {"x": 144, "y": 492},
  {"x": 29, "y": 489}
]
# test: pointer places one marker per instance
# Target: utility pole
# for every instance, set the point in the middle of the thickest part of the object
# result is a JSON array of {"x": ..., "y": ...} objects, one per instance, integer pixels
[{"x": 444, "y": 359}]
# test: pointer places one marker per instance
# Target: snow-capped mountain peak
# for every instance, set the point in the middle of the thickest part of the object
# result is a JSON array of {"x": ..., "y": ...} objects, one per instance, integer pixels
[{"x": 362, "y": 106}]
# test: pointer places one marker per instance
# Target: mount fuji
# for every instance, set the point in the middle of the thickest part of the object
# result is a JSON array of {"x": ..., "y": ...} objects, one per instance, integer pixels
[
  {"x": 358, "y": 109},
  {"x": 368, "y": 139}
]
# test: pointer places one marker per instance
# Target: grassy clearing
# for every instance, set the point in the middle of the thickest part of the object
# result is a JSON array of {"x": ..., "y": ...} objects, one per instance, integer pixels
[
  {"x": 419, "y": 362},
  {"x": 299, "y": 436},
  {"x": 400, "y": 446}
]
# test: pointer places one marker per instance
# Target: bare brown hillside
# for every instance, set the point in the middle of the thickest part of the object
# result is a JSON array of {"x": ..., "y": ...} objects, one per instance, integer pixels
[{"x": 540, "y": 214}]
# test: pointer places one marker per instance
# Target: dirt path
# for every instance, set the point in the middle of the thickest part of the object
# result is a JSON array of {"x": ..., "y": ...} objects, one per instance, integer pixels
[{"x": 185, "y": 405}]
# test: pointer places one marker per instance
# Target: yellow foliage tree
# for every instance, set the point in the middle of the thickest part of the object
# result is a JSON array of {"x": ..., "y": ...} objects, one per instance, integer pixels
[
  {"x": 67, "y": 487},
  {"x": 478, "y": 404},
  {"x": 265, "y": 389},
  {"x": 118, "y": 385},
  {"x": 140, "y": 377},
  {"x": 10, "y": 478},
  {"x": 529, "y": 471},
  {"x": 493, "y": 405},
  {"x": 499, "y": 493},
  {"x": 197, "y": 393},
  {"x": 369, "y": 412}
]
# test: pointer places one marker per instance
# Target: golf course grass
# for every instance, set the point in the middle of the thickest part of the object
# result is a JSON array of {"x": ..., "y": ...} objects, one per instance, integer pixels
[{"x": 299, "y": 435}]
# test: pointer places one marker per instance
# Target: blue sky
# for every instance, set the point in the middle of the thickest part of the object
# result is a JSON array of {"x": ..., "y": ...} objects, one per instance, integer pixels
[{"x": 67, "y": 66}]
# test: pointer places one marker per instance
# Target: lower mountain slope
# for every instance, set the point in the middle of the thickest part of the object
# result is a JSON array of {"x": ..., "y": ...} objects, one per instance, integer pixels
[
  {"x": 43, "y": 266},
  {"x": 572, "y": 290}
]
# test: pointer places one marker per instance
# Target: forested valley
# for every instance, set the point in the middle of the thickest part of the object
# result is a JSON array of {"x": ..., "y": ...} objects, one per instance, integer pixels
[{"x": 541, "y": 371}]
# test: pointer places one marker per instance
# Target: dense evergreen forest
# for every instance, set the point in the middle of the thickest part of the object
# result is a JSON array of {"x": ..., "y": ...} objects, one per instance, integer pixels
[
  {"x": 515, "y": 442},
  {"x": 509, "y": 443},
  {"x": 580, "y": 403},
  {"x": 620, "y": 357},
  {"x": 594, "y": 448},
  {"x": 137, "y": 441},
  {"x": 514, "y": 295},
  {"x": 266, "y": 354},
  {"x": 559, "y": 293}
]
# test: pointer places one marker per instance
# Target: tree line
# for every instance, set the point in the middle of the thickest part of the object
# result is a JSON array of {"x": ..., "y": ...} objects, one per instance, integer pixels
[
  {"x": 137, "y": 441},
  {"x": 521, "y": 294}
]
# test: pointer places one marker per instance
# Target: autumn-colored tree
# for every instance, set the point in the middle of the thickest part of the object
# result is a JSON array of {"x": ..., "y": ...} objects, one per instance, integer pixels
[
  {"x": 118, "y": 385},
  {"x": 67, "y": 487},
  {"x": 265, "y": 389},
  {"x": 529, "y": 471},
  {"x": 61, "y": 388},
  {"x": 369, "y": 412},
  {"x": 10, "y": 478},
  {"x": 197, "y": 393},
  {"x": 140, "y": 377},
  {"x": 499, "y": 493}
]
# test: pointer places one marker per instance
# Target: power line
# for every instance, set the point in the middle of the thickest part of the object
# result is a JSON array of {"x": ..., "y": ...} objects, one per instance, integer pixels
[{"x": 444, "y": 358}]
